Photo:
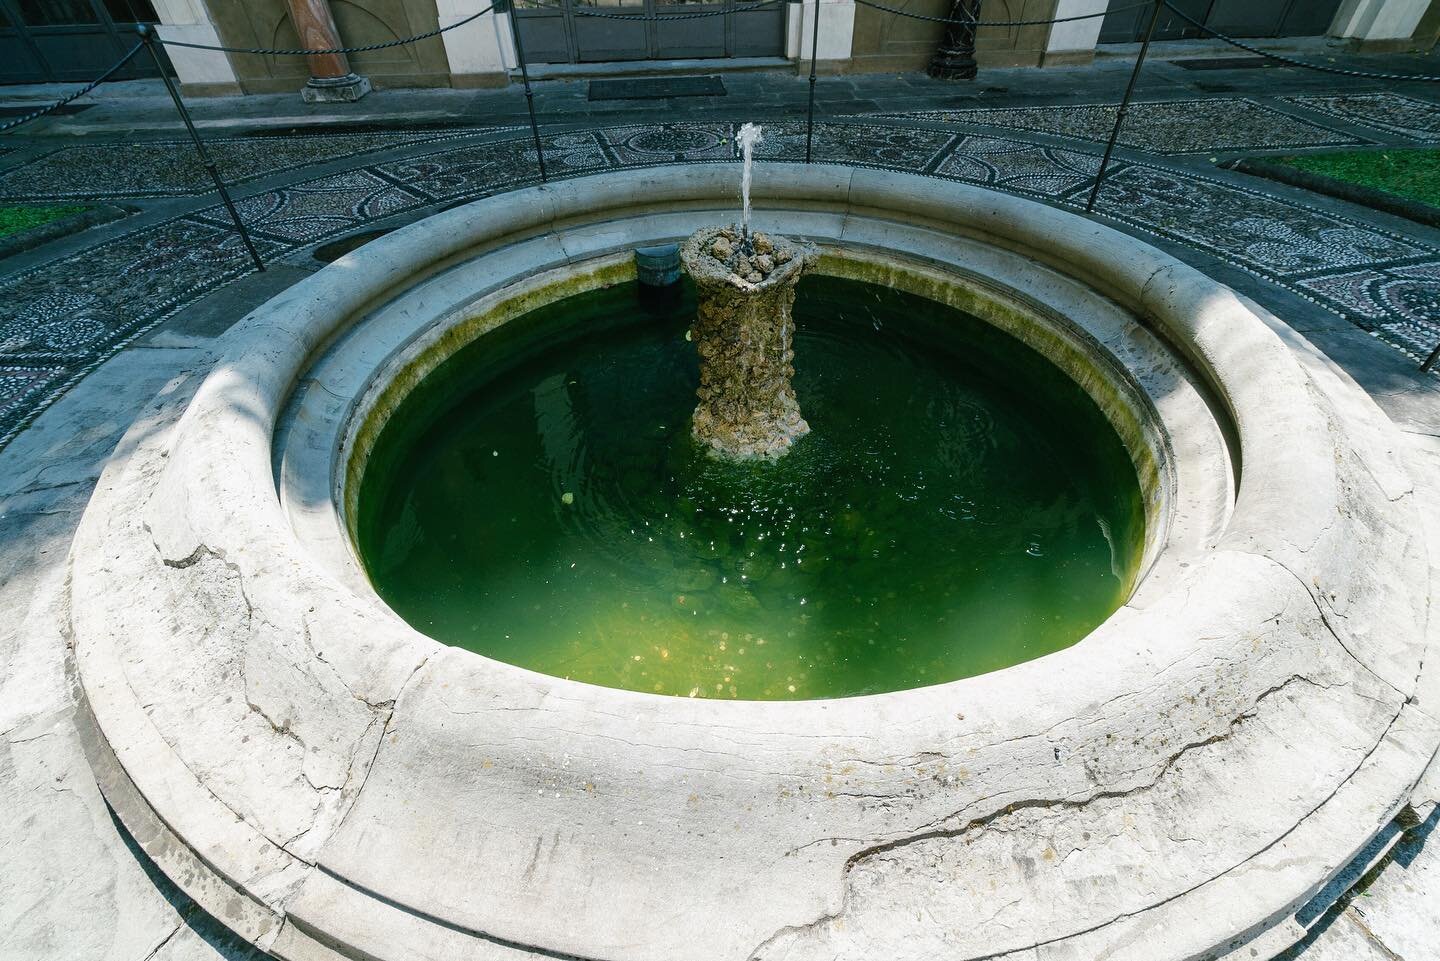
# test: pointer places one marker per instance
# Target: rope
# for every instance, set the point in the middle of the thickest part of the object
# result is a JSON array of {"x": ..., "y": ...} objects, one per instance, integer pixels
[
  {"x": 666, "y": 17},
  {"x": 1002, "y": 23},
  {"x": 1341, "y": 71},
  {"x": 76, "y": 95},
  {"x": 262, "y": 52}
]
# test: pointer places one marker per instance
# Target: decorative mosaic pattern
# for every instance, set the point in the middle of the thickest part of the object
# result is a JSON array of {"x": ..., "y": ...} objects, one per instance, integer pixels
[
  {"x": 62, "y": 319},
  {"x": 481, "y": 169},
  {"x": 319, "y": 208},
  {"x": 1380, "y": 281},
  {"x": 670, "y": 143},
  {"x": 1400, "y": 303},
  {"x": 1013, "y": 165},
  {"x": 171, "y": 167},
  {"x": 894, "y": 148},
  {"x": 1391, "y": 112},
  {"x": 1276, "y": 237},
  {"x": 26, "y": 389},
  {"x": 1173, "y": 127}
]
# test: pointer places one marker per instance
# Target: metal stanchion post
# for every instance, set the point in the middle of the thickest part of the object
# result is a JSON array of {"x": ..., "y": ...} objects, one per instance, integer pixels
[
  {"x": 147, "y": 34},
  {"x": 509, "y": 7},
  {"x": 814, "y": 53},
  {"x": 954, "y": 59},
  {"x": 1124, "y": 105}
]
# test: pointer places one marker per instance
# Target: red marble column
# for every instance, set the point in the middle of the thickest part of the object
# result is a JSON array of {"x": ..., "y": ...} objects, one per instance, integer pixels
[{"x": 331, "y": 78}]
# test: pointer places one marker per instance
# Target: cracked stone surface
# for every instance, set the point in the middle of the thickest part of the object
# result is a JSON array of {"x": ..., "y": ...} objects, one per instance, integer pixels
[{"x": 77, "y": 886}]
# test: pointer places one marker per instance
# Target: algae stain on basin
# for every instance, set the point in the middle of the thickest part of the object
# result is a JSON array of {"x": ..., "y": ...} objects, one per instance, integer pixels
[{"x": 959, "y": 506}]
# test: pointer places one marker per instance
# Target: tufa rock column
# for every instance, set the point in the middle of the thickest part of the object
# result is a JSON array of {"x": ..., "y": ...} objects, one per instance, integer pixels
[{"x": 744, "y": 332}]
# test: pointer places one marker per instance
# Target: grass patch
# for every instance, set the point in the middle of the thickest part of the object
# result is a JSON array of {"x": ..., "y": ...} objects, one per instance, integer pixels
[
  {"x": 15, "y": 219},
  {"x": 1413, "y": 174}
]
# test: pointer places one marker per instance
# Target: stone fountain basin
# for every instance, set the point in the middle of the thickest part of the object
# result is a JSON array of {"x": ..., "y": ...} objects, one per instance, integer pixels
[{"x": 328, "y": 782}]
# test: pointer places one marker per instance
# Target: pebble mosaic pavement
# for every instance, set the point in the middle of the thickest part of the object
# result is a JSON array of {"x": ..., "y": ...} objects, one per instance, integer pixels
[
  {"x": 169, "y": 168},
  {"x": 1392, "y": 113},
  {"x": 67, "y": 316},
  {"x": 1165, "y": 128}
]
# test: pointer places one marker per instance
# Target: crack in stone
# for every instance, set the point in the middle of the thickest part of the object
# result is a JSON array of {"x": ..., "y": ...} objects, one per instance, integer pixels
[
  {"x": 1330, "y": 627},
  {"x": 1354, "y": 917},
  {"x": 379, "y": 743},
  {"x": 984, "y": 821},
  {"x": 166, "y": 940}
]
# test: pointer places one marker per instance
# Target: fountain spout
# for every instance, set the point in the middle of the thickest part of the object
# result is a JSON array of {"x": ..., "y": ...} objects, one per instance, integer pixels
[{"x": 744, "y": 333}]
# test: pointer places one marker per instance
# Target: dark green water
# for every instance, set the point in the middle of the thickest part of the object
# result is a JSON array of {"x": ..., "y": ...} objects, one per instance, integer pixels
[{"x": 959, "y": 505}]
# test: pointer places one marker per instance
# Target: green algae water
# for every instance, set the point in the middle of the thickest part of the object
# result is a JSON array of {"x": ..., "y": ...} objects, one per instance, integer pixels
[{"x": 959, "y": 505}]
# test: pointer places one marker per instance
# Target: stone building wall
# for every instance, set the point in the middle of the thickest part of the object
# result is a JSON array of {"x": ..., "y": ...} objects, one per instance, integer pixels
[{"x": 266, "y": 23}]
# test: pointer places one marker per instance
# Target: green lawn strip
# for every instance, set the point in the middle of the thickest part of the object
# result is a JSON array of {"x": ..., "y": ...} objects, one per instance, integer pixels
[
  {"x": 1413, "y": 174},
  {"x": 15, "y": 218}
]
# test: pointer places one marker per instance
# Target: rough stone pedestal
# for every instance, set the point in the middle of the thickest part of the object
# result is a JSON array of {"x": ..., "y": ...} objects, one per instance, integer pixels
[{"x": 744, "y": 331}]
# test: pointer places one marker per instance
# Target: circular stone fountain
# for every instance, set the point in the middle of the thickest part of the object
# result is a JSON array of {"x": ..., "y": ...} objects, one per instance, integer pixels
[{"x": 1185, "y": 781}]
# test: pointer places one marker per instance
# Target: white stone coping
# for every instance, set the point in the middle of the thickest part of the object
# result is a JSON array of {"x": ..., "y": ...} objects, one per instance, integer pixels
[{"x": 324, "y": 779}]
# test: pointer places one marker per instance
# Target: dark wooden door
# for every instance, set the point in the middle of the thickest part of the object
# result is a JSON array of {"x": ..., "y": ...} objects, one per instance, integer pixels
[
  {"x": 555, "y": 31},
  {"x": 1234, "y": 18},
  {"x": 1128, "y": 26},
  {"x": 45, "y": 41}
]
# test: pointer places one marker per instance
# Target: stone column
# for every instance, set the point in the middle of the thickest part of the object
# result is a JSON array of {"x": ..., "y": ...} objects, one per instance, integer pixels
[
  {"x": 330, "y": 76},
  {"x": 744, "y": 333}
]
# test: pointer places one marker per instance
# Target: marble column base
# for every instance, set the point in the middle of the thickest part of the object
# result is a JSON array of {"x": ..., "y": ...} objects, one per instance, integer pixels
[{"x": 345, "y": 89}]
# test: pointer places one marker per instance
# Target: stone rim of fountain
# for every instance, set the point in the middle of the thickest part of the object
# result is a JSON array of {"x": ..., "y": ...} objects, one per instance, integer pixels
[{"x": 307, "y": 840}]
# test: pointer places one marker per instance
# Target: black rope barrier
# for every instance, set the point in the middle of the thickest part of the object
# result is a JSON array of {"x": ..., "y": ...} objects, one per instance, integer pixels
[
  {"x": 971, "y": 22},
  {"x": 814, "y": 56},
  {"x": 1124, "y": 107},
  {"x": 582, "y": 11},
  {"x": 529, "y": 94},
  {"x": 18, "y": 121},
  {"x": 263, "y": 52},
  {"x": 148, "y": 40},
  {"x": 1291, "y": 61}
]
